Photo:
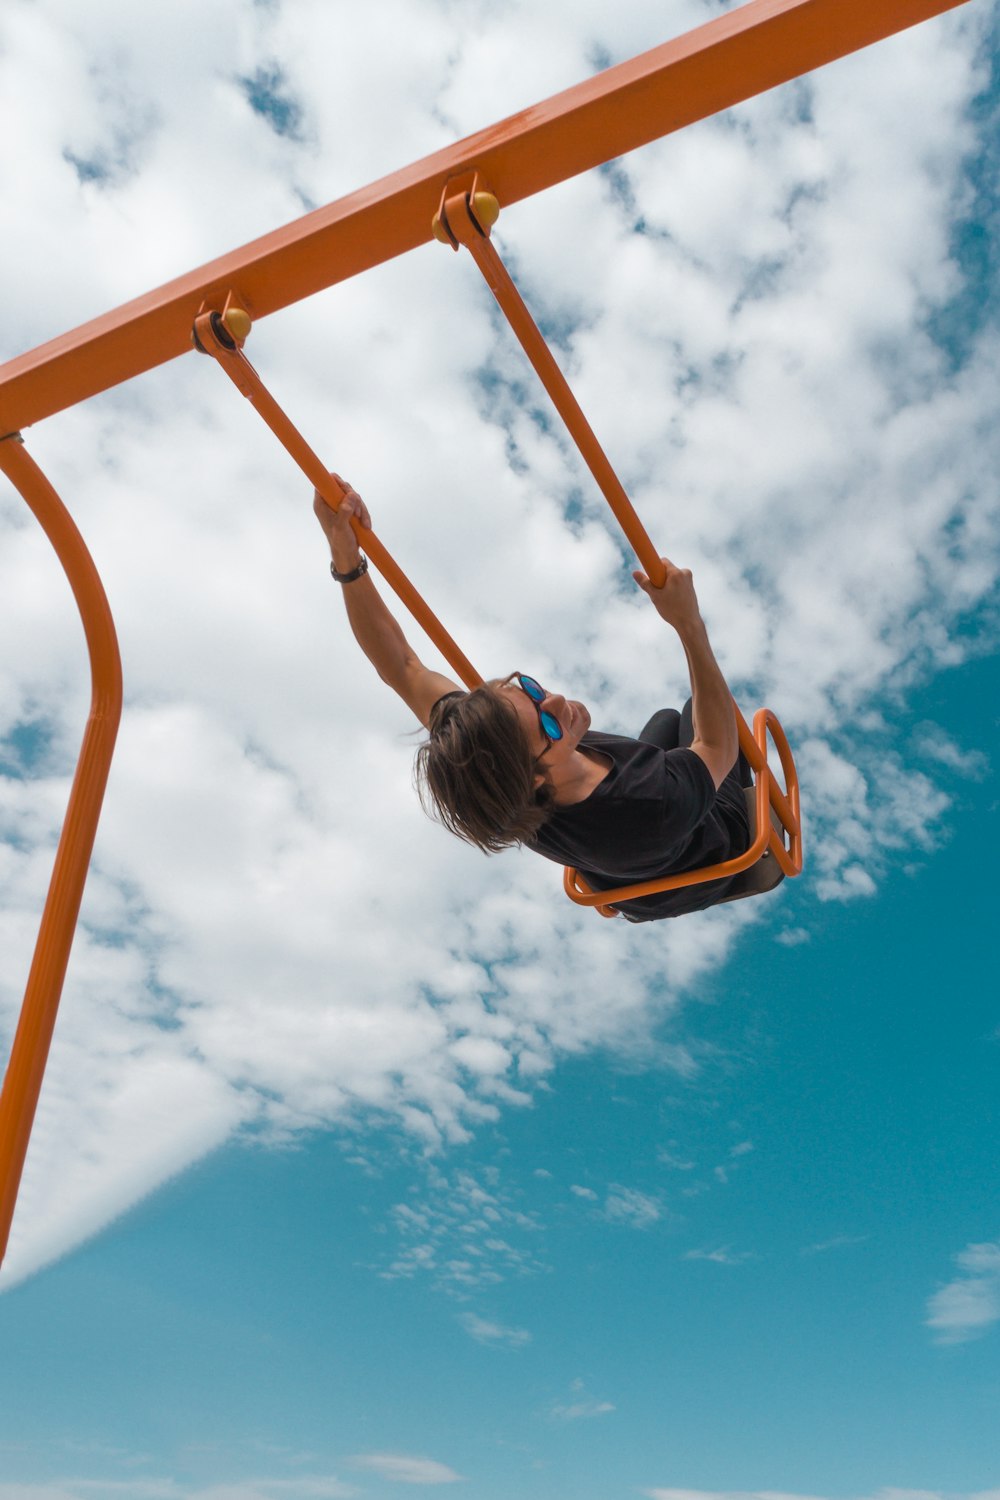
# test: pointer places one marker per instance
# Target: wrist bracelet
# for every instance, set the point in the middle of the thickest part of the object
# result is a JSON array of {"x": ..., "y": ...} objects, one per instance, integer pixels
[{"x": 354, "y": 574}]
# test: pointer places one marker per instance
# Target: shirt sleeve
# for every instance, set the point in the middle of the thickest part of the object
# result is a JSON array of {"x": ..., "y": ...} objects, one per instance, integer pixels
[{"x": 688, "y": 793}]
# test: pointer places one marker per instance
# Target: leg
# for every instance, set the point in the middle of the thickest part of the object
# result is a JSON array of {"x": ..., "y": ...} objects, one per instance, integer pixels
[
  {"x": 687, "y": 726},
  {"x": 662, "y": 730}
]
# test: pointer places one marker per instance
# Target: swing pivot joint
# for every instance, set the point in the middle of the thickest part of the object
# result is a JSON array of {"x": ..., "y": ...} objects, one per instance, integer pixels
[
  {"x": 467, "y": 211},
  {"x": 228, "y": 328}
]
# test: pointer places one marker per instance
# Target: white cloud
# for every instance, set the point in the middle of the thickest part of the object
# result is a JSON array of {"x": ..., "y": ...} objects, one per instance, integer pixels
[
  {"x": 582, "y": 1408},
  {"x": 793, "y": 937},
  {"x": 625, "y": 1205},
  {"x": 305, "y": 1487},
  {"x": 463, "y": 1232},
  {"x": 666, "y": 1155},
  {"x": 485, "y": 1331},
  {"x": 967, "y": 1307},
  {"x": 272, "y": 938},
  {"x": 724, "y": 1256},
  {"x": 937, "y": 744},
  {"x": 402, "y": 1468},
  {"x": 838, "y": 1242},
  {"x": 888, "y": 1493}
]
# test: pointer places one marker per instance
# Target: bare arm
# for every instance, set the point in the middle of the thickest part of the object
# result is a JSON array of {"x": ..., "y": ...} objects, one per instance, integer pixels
[
  {"x": 376, "y": 631},
  {"x": 715, "y": 737}
]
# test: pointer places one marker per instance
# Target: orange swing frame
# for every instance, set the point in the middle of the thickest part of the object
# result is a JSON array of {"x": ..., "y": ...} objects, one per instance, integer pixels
[
  {"x": 732, "y": 58},
  {"x": 465, "y": 216}
]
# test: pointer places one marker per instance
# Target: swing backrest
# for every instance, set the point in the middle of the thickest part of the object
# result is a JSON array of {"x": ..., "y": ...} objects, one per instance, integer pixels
[{"x": 766, "y": 873}]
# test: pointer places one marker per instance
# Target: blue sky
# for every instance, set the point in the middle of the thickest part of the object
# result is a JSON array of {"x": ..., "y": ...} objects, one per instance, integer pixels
[
  {"x": 718, "y": 1282},
  {"x": 364, "y": 1164},
  {"x": 240, "y": 1326}
]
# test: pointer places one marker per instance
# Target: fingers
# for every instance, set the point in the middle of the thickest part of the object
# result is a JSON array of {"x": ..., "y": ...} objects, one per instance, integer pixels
[
  {"x": 352, "y": 503},
  {"x": 352, "y": 507},
  {"x": 348, "y": 507},
  {"x": 322, "y": 512},
  {"x": 672, "y": 571}
]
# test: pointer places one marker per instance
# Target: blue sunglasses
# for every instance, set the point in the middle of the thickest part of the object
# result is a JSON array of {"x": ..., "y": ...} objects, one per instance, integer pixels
[{"x": 551, "y": 728}]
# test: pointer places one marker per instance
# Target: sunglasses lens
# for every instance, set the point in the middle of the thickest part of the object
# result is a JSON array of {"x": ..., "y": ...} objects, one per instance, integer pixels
[{"x": 551, "y": 727}]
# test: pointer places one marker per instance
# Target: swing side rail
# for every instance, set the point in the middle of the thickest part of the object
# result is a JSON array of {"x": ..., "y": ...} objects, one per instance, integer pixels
[
  {"x": 768, "y": 839},
  {"x": 715, "y": 66},
  {"x": 29, "y": 1053}
]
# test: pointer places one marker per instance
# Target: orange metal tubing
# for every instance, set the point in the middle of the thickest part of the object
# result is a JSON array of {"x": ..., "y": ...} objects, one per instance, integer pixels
[
  {"x": 460, "y": 221},
  {"x": 731, "y": 58},
  {"x": 211, "y": 333},
  {"x": 23, "y": 1079},
  {"x": 768, "y": 795},
  {"x": 464, "y": 217}
]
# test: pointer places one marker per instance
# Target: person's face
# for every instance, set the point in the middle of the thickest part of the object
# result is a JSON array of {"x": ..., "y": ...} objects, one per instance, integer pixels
[{"x": 572, "y": 717}]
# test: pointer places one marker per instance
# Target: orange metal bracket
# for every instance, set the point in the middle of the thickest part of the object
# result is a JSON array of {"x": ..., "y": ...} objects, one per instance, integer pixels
[
  {"x": 221, "y": 334},
  {"x": 23, "y": 1079},
  {"x": 465, "y": 216}
]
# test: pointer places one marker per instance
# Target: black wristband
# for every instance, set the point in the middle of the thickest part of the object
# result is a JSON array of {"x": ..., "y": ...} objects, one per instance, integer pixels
[{"x": 354, "y": 574}]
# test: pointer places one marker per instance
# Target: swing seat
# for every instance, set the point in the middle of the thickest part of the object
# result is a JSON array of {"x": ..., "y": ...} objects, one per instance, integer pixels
[
  {"x": 766, "y": 873},
  {"x": 775, "y": 848}
]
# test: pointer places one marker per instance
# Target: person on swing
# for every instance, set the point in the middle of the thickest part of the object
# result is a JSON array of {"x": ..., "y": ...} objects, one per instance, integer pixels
[{"x": 512, "y": 763}]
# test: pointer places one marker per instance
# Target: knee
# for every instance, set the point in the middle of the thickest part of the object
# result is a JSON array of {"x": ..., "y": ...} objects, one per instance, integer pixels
[{"x": 663, "y": 729}]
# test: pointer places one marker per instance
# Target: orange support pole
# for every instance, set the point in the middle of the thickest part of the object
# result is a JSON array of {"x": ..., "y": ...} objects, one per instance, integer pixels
[
  {"x": 23, "y": 1079},
  {"x": 212, "y": 335}
]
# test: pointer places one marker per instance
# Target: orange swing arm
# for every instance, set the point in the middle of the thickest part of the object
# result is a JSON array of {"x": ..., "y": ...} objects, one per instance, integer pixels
[
  {"x": 466, "y": 215},
  {"x": 29, "y": 1053},
  {"x": 221, "y": 334}
]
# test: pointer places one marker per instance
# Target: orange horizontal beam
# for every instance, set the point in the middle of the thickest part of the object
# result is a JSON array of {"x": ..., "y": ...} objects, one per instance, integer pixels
[{"x": 732, "y": 58}]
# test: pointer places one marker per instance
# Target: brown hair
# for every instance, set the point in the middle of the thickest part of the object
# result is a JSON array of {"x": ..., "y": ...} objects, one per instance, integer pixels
[{"x": 476, "y": 771}]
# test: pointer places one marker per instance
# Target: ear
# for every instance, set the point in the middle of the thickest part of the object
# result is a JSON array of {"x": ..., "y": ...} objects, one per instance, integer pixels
[{"x": 540, "y": 780}]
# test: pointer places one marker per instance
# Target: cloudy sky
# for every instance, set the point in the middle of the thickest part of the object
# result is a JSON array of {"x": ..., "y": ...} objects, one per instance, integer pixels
[{"x": 363, "y": 1161}]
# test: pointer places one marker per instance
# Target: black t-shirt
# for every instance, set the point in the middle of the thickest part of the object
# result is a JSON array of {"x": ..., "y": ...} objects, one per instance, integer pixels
[{"x": 656, "y": 813}]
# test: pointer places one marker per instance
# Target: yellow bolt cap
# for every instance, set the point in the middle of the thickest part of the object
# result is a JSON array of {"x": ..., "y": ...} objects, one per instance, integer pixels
[
  {"x": 485, "y": 209},
  {"x": 438, "y": 230},
  {"x": 238, "y": 321}
]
